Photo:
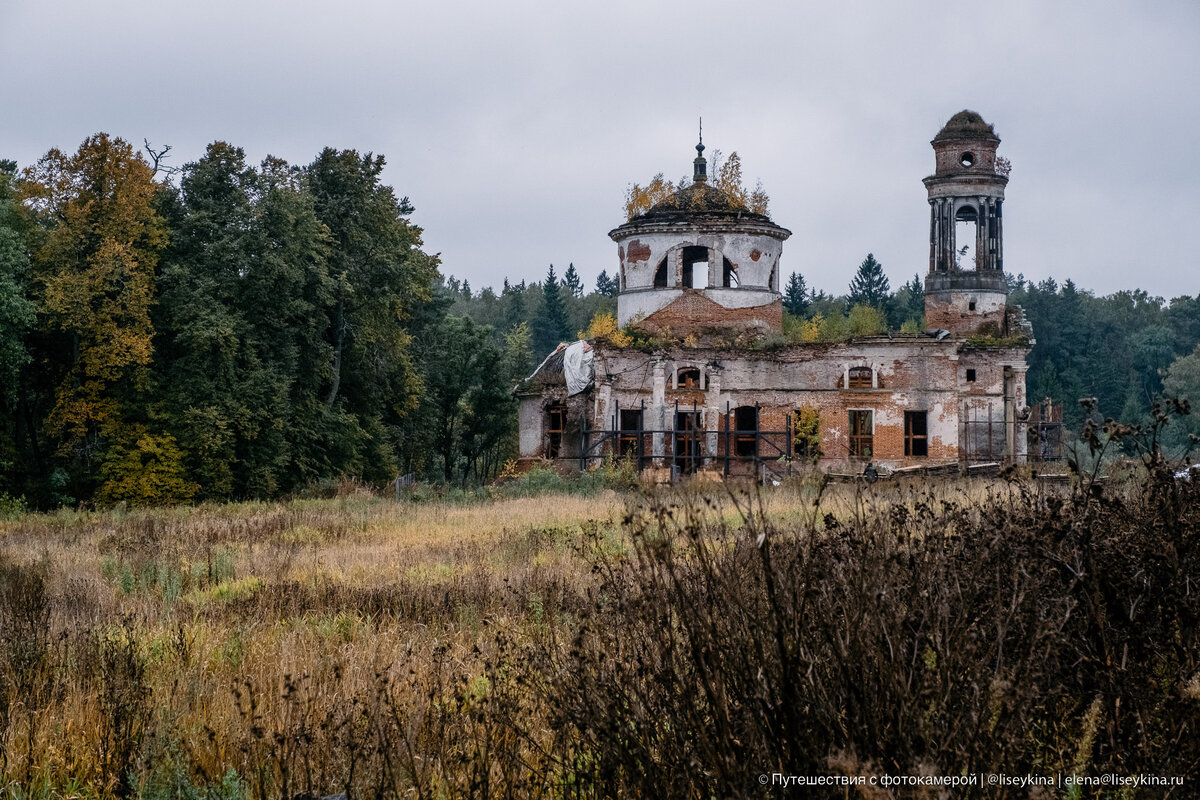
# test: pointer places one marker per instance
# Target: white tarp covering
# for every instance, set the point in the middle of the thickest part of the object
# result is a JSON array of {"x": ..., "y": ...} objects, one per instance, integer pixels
[{"x": 577, "y": 367}]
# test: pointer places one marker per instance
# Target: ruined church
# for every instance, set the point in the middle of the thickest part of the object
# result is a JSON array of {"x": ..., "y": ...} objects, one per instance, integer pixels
[{"x": 710, "y": 385}]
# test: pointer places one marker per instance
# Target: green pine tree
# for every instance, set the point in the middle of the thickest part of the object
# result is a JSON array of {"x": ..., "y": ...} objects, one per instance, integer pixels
[
  {"x": 606, "y": 286},
  {"x": 571, "y": 282},
  {"x": 869, "y": 286},
  {"x": 795, "y": 295},
  {"x": 550, "y": 327}
]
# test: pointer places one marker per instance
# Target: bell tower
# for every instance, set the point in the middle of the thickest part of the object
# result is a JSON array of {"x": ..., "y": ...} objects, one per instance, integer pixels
[{"x": 965, "y": 291}]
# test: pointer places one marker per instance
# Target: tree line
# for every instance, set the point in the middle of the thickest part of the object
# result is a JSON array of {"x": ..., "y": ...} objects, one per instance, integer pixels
[
  {"x": 249, "y": 331},
  {"x": 242, "y": 332}
]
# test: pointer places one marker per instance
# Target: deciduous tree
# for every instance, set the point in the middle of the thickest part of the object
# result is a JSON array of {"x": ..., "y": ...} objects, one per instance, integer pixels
[{"x": 96, "y": 260}]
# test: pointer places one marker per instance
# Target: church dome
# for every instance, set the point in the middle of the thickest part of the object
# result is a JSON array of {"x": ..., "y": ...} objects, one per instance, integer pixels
[
  {"x": 701, "y": 200},
  {"x": 966, "y": 125}
]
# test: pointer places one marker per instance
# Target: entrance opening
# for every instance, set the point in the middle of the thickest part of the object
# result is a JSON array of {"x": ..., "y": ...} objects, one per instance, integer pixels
[
  {"x": 695, "y": 267},
  {"x": 966, "y": 232},
  {"x": 806, "y": 433},
  {"x": 630, "y": 433},
  {"x": 687, "y": 441},
  {"x": 745, "y": 431}
]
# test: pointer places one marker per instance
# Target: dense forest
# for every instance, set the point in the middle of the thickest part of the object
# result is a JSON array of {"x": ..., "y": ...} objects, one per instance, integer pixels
[{"x": 230, "y": 331}]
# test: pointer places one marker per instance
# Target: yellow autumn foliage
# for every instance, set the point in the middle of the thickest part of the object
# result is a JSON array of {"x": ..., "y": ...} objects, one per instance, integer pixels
[
  {"x": 726, "y": 176},
  {"x": 640, "y": 199},
  {"x": 604, "y": 325},
  {"x": 96, "y": 262}
]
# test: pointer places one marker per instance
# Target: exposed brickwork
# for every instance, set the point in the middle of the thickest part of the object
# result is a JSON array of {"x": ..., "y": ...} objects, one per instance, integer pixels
[
  {"x": 637, "y": 252},
  {"x": 693, "y": 310},
  {"x": 947, "y": 317}
]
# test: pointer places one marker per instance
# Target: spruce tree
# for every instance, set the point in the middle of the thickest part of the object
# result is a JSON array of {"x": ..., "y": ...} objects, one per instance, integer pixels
[
  {"x": 870, "y": 286},
  {"x": 607, "y": 286},
  {"x": 795, "y": 295},
  {"x": 550, "y": 327},
  {"x": 571, "y": 282}
]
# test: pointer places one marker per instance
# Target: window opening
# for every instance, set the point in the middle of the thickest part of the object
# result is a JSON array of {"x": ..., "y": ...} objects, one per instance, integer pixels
[
  {"x": 729, "y": 276},
  {"x": 916, "y": 433},
  {"x": 557, "y": 425},
  {"x": 660, "y": 274},
  {"x": 688, "y": 378},
  {"x": 862, "y": 434},
  {"x": 970, "y": 376},
  {"x": 860, "y": 377},
  {"x": 695, "y": 267}
]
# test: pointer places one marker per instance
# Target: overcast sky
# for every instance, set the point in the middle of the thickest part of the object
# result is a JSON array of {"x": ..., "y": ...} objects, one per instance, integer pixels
[{"x": 515, "y": 127}]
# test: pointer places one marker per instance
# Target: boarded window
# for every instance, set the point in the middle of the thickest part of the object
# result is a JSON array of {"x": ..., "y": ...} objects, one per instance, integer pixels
[
  {"x": 556, "y": 425},
  {"x": 916, "y": 433},
  {"x": 745, "y": 431},
  {"x": 862, "y": 434},
  {"x": 688, "y": 378},
  {"x": 860, "y": 377}
]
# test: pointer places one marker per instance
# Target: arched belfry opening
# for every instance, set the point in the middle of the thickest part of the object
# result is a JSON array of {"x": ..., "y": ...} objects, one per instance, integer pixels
[{"x": 966, "y": 232}]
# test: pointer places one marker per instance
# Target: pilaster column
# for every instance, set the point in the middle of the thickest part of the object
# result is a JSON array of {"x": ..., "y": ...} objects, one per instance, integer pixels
[
  {"x": 658, "y": 402},
  {"x": 1020, "y": 415},
  {"x": 712, "y": 412}
]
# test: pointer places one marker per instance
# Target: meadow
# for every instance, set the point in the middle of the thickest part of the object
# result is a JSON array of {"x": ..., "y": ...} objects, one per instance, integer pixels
[{"x": 677, "y": 642}]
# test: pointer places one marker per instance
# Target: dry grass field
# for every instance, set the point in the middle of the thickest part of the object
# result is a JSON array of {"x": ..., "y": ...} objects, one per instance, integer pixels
[{"x": 674, "y": 643}]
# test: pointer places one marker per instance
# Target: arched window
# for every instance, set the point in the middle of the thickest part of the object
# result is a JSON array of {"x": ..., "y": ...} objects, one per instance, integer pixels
[
  {"x": 966, "y": 231},
  {"x": 860, "y": 377},
  {"x": 688, "y": 378},
  {"x": 729, "y": 276},
  {"x": 660, "y": 274},
  {"x": 773, "y": 281},
  {"x": 695, "y": 267}
]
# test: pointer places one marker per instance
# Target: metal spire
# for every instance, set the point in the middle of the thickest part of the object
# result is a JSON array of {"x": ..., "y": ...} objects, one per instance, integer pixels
[{"x": 700, "y": 166}]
